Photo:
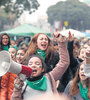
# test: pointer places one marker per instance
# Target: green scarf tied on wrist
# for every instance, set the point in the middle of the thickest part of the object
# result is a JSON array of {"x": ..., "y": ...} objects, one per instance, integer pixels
[
  {"x": 83, "y": 92},
  {"x": 41, "y": 53},
  {"x": 39, "y": 84}
]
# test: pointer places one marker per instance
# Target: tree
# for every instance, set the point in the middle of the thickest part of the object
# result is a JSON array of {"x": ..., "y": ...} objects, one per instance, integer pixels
[
  {"x": 75, "y": 12},
  {"x": 6, "y": 19},
  {"x": 19, "y": 6}
]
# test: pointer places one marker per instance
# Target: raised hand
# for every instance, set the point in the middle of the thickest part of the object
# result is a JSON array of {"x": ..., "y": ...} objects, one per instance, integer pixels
[
  {"x": 70, "y": 36},
  {"x": 59, "y": 38}
]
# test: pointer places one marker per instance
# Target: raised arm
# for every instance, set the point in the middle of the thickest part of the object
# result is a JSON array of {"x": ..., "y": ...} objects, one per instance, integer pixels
[
  {"x": 63, "y": 63},
  {"x": 73, "y": 60}
]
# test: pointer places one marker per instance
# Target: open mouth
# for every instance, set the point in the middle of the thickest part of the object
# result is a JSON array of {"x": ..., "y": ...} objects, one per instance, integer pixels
[
  {"x": 19, "y": 59},
  {"x": 44, "y": 45},
  {"x": 34, "y": 70},
  {"x": 83, "y": 57},
  {"x": 82, "y": 75}
]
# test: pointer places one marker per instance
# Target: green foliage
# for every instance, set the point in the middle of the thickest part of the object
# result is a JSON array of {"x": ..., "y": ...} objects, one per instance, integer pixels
[
  {"x": 76, "y": 13},
  {"x": 19, "y": 6},
  {"x": 6, "y": 19}
]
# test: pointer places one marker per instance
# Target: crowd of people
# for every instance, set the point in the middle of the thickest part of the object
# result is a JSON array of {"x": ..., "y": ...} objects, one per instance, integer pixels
[{"x": 57, "y": 68}]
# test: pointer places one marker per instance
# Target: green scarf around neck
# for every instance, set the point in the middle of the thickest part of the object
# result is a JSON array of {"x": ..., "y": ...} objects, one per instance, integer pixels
[
  {"x": 5, "y": 48},
  {"x": 39, "y": 84},
  {"x": 83, "y": 92},
  {"x": 41, "y": 53}
]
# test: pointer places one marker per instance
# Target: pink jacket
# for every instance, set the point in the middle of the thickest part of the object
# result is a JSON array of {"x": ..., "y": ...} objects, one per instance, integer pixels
[{"x": 54, "y": 75}]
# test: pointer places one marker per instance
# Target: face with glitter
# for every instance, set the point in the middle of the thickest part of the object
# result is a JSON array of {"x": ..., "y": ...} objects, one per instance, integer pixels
[{"x": 36, "y": 65}]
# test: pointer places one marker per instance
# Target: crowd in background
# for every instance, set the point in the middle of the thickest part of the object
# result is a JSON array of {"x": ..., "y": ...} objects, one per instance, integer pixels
[{"x": 67, "y": 53}]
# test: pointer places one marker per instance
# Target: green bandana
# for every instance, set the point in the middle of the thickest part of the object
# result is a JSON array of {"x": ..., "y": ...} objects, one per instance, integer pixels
[
  {"x": 41, "y": 53},
  {"x": 83, "y": 92},
  {"x": 5, "y": 48},
  {"x": 14, "y": 46},
  {"x": 39, "y": 84}
]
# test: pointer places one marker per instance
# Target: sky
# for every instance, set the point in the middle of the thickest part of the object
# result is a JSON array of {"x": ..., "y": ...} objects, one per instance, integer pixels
[{"x": 44, "y": 4}]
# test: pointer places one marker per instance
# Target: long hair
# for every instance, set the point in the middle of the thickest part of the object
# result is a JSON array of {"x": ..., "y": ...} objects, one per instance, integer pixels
[
  {"x": 32, "y": 47},
  {"x": 75, "y": 85},
  {"x": 1, "y": 37}
]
